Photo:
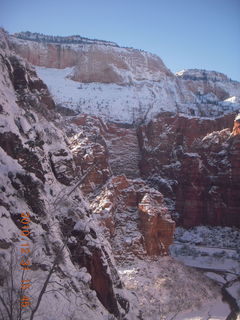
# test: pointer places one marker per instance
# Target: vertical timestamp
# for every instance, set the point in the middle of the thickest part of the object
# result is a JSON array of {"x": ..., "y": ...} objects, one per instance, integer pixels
[{"x": 25, "y": 261}]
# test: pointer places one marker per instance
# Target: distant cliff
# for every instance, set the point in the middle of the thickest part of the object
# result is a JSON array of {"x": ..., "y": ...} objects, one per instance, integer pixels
[{"x": 122, "y": 84}]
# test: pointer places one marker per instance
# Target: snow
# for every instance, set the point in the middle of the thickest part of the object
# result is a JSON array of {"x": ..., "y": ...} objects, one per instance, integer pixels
[
  {"x": 111, "y": 101},
  {"x": 234, "y": 291},
  {"x": 215, "y": 276},
  {"x": 208, "y": 262},
  {"x": 166, "y": 288},
  {"x": 68, "y": 293},
  {"x": 212, "y": 248},
  {"x": 128, "y": 103},
  {"x": 163, "y": 286},
  {"x": 201, "y": 74},
  {"x": 9, "y": 231},
  {"x": 216, "y": 250},
  {"x": 81, "y": 226},
  {"x": 215, "y": 309},
  {"x": 219, "y": 237}
]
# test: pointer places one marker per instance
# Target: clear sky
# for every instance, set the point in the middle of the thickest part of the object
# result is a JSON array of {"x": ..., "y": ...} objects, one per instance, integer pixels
[{"x": 184, "y": 33}]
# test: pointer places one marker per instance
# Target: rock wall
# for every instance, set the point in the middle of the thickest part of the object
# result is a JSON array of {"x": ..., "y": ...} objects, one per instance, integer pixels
[
  {"x": 156, "y": 223},
  {"x": 39, "y": 174},
  {"x": 127, "y": 85},
  {"x": 81, "y": 180},
  {"x": 190, "y": 160},
  {"x": 236, "y": 126},
  {"x": 112, "y": 147},
  {"x": 93, "y": 62},
  {"x": 209, "y": 83},
  {"x": 124, "y": 152},
  {"x": 135, "y": 219}
]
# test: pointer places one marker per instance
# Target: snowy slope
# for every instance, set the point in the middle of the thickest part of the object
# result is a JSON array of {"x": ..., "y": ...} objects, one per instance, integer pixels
[
  {"x": 123, "y": 84},
  {"x": 29, "y": 183},
  {"x": 131, "y": 103},
  {"x": 111, "y": 101},
  {"x": 167, "y": 289}
]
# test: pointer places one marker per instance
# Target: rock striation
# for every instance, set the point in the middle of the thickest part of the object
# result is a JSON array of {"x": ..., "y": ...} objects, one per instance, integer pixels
[
  {"x": 190, "y": 160},
  {"x": 40, "y": 175},
  {"x": 102, "y": 195},
  {"x": 157, "y": 225},
  {"x": 95, "y": 61},
  {"x": 129, "y": 85},
  {"x": 135, "y": 219}
]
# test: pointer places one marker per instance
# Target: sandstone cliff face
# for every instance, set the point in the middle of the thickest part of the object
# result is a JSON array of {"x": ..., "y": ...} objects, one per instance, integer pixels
[
  {"x": 127, "y": 85},
  {"x": 94, "y": 62},
  {"x": 80, "y": 178},
  {"x": 192, "y": 164},
  {"x": 210, "y": 83},
  {"x": 158, "y": 227},
  {"x": 134, "y": 218},
  {"x": 112, "y": 147},
  {"x": 236, "y": 126},
  {"x": 39, "y": 172},
  {"x": 124, "y": 152},
  {"x": 189, "y": 160},
  {"x": 89, "y": 151}
]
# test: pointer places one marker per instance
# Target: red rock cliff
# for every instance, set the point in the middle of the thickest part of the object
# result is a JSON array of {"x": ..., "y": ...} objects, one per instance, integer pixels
[{"x": 195, "y": 163}]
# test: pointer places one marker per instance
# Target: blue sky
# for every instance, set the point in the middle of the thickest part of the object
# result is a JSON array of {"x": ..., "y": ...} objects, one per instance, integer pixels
[{"x": 184, "y": 33}]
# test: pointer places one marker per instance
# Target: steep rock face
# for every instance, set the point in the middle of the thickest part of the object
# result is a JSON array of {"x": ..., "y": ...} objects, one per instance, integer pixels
[
  {"x": 112, "y": 147},
  {"x": 38, "y": 176},
  {"x": 210, "y": 83},
  {"x": 192, "y": 164},
  {"x": 158, "y": 227},
  {"x": 129, "y": 85},
  {"x": 124, "y": 152},
  {"x": 107, "y": 202},
  {"x": 44, "y": 171},
  {"x": 62, "y": 165},
  {"x": 120, "y": 66},
  {"x": 89, "y": 150},
  {"x": 233, "y": 190},
  {"x": 236, "y": 126},
  {"x": 94, "y": 62},
  {"x": 48, "y": 55},
  {"x": 135, "y": 219},
  {"x": 187, "y": 159}
]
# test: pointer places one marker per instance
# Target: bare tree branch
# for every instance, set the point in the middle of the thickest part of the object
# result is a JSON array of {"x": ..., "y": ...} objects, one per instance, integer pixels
[{"x": 46, "y": 282}]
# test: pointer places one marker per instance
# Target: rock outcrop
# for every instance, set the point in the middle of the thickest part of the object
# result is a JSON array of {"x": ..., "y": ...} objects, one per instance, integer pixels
[
  {"x": 157, "y": 225},
  {"x": 211, "y": 84},
  {"x": 134, "y": 218},
  {"x": 123, "y": 147},
  {"x": 129, "y": 85},
  {"x": 95, "y": 61},
  {"x": 112, "y": 147},
  {"x": 89, "y": 149},
  {"x": 191, "y": 162},
  {"x": 40, "y": 175},
  {"x": 236, "y": 126}
]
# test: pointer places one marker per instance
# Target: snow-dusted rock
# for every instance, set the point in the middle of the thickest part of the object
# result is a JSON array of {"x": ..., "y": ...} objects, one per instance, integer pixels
[
  {"x": 199, "y": 158},
  {"x": 36, "y": 168},
  {"x": 123, "y": 84}
]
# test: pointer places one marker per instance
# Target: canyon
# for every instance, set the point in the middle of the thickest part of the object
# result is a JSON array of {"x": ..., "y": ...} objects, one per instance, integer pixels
[{"x": 109, "y": 173}]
